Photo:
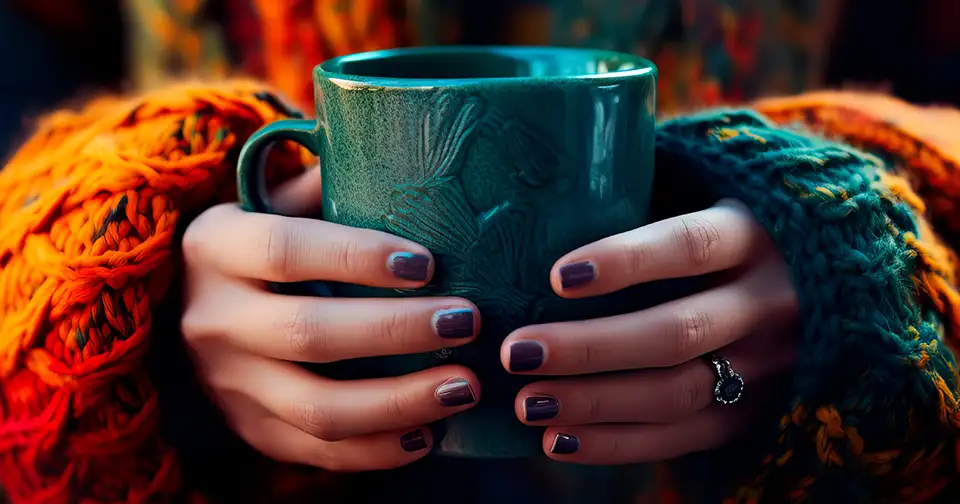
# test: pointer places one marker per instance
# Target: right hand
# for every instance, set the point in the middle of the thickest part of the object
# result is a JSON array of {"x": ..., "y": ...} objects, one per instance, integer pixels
[{"x": 246, "y": 340}]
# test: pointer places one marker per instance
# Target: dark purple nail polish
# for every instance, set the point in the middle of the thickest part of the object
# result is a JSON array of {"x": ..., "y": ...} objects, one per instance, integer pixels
[
  {"x": 525, "y": 356},
  {"x": 409, "y": 266},
  {"x": 576, "y": 274},
  {"x": 413, "y": 441},
  {"x": 565, "y": 444},
  {"x": 455, "y": 323},
  {"x": 539, "y": 408},
  {"x": 455, "y": 392}
]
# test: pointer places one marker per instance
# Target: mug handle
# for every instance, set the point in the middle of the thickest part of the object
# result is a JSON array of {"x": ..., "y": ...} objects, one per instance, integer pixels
[{"x": 251, "y": 182}]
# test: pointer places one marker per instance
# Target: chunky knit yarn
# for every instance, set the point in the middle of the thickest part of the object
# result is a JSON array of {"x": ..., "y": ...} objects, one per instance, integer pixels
[
  {"x": 922, "y": 142},
  {"x": 88, "y": 222},
  {"x": 874, "y": 416},
  {"x": 88, "y": 247}
]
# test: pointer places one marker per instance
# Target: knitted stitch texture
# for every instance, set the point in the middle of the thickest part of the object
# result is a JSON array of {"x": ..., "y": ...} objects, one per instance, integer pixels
[
  {"x": 922, "y": 142},
  {"x": 88, "y": 248},
  {"x": 874, "y": 416}
]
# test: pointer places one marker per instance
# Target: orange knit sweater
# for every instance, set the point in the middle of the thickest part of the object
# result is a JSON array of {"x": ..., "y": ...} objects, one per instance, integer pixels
[{"x": 88, "y": 247}]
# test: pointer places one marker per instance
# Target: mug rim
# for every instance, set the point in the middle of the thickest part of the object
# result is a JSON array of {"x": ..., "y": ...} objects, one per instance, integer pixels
[{"x": 330, "y": 69}]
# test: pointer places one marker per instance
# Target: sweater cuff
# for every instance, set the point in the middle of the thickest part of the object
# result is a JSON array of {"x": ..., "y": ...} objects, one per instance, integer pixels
[{"x": 872, "y": 414}]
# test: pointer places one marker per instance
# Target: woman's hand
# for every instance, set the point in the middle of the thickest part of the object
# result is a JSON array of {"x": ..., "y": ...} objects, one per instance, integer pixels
[
  {"x": 246, "y": 339},
  {"x": 661, "y": 405}
]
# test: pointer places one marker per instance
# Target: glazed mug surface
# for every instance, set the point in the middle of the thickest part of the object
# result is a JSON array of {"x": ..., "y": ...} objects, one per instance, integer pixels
[{"x": 499, "y": 160}]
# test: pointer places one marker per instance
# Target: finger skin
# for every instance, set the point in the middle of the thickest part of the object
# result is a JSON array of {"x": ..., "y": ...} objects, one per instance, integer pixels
[
  {"x": 715, "y": 239},
  {"x": 300, "y": 196},
  {"x": 334, "y": 410},
  {"x": 655, "y": 396},
  {"x": 612, "y": 444},
  {"x": 309, "y": 329},
  {"x": 275, "y": 248},
  {"x": 650, "y": 397},
  {"x": 283, "y": 442},
  {"x": 665, "y": 335}
]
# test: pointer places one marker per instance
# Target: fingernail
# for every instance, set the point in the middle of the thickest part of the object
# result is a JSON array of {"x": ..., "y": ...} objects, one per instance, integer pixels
[
  {"x": 455, "y": 392},
  {"x": 539, "y": 408},
  {"x": 565, "y": 444},
  {"x": 525, "y": 356},
  {"x": 576, "y": 274},
  {"x": 413, "y": 441},
  {"x": 455, "y": 323},
  {"x": 409, "y": 266}
]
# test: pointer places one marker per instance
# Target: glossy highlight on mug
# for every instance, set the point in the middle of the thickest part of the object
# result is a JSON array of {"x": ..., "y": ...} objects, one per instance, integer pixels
[{"x": 498, "y": 160}]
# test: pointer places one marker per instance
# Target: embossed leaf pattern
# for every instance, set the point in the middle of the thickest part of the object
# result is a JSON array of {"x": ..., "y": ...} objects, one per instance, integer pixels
[
  {"x": 436, "y": 216},
  {"x": 445, "y": 127},
  {"x": 501, "y": 262},
  {"x": 535, "y": 160},
  {"x": 507, "y": 239},
  {"x": 434, "y": 211},
  {"x": 485, "y": 255}
]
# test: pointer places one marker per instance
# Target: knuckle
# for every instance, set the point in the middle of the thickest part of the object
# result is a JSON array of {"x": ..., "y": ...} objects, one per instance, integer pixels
[
  {"x": 197, "y": 235},
  {"x": 699, "y": 237},
  {"x": 692, "y": 329},
  {"x": 280, "y": 253},
  {"x": 400, "y": 406},
  {"x": 349, "y": 258},
  {"x": 686, "y": 395},
  {"x": 585, "y": 357},
  {"x": 201, "y": 326},
  {"x": 394, "y": 329},
  {"x": 192, "y": 243},
  {"x": 595, "y": 408},
  {"x": 636, "y": 257},
  {"x": 615, "y": 449},
  {"x": 318, "y": 420},
  {"x": 305, "y": 334},
  {"x": 191, "y": 325}
]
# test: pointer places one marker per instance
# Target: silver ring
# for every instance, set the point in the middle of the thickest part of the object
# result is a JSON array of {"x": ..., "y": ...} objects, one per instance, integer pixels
[{"x": 729, "y": 386}]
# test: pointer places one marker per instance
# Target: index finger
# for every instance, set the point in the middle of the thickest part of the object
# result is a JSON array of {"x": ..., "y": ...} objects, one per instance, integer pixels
[
  {"x": 716, "y": 239},
  {"x": 276, "y": 248}
]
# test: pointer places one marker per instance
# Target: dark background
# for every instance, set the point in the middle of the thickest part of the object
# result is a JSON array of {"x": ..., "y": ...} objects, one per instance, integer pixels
[{"x": 912, "y": 49}]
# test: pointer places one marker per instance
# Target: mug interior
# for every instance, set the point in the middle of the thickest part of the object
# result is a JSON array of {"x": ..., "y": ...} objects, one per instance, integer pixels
[{"x": 458, "y": 63}]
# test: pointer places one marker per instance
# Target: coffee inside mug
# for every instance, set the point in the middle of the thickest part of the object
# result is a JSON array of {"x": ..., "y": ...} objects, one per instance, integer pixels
[{"x": 480, "y": 63}]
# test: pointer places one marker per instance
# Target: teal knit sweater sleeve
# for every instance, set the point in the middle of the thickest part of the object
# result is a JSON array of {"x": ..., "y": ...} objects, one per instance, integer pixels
[{"x": 871, "y": 413}]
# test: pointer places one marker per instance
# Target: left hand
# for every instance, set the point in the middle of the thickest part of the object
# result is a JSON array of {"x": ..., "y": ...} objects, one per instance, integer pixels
[{"x": 661, "y": 405}]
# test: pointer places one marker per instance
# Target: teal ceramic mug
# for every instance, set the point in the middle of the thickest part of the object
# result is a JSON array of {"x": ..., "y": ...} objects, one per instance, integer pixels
[{"x": 499, "y": 160}]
